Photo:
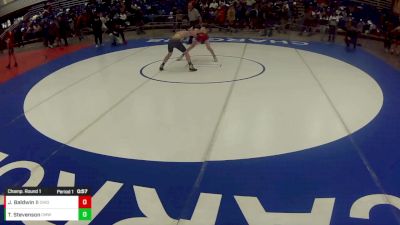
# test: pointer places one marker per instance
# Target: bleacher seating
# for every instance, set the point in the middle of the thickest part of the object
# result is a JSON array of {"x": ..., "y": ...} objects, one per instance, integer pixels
[
  {"x": 379, "y": 4},
  {"x": 60, "y": 4},
  {"x": 17, "y": 5}
]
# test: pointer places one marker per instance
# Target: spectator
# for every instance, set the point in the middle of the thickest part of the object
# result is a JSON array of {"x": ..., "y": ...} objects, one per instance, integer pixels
[
  {"x": 333, "y": 23},
  {"x": 114, "y": 36},
  {"x": 395, "y": 33},
  {"x": 46, "y": 32},
  {"x": 124, "y": 18},
  {"x": 194, "y": 18},
  {"x": 285, "y": 17},
  {"x": 54, "y": 33},
  {"x": 119, "y": 28},
  {"x": 19, "y": 41},
  {"x": 203, "y": 5},
  {"x": 10, "y": 40},
  {"x": 116, "y": 31},
  {"x": 138, "y": 17},
  {"x": 323, "y": 22},
  {"x": 267, "y": 14},
  {"x": 268, "y": 19},
  {"x": 214, "y": 5},
  {"x": 308, "y": 22},
  {"x": 64, "y": 28},
  {"x": 231, "y": 18},
  {"x": 79, "y": 24},
  {"x": 2, "y": 42},
  {"x": 250, "y": 3},
  {"x": 388, "y": 36},
  {"x": 206, "y": 15},
  {"x": 351, "y": 34},
  {"x": 97, "y": 26},
  {"x": 253, "y": 14},
  {"x": 221, "y": 16},
  {"x": 241, "y": 15}
]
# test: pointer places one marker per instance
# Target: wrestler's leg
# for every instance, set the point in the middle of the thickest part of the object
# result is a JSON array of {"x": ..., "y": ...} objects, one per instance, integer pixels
[
  {"x": 170, "y": 50},
  {"x": 194, "y": 44},
  {"x": 208, "y": 46},
  {"x": 185, "y": 51}
]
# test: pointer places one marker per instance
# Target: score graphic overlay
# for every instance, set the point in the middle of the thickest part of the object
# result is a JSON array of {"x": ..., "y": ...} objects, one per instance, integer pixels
[{"x": 55, "y": 204}]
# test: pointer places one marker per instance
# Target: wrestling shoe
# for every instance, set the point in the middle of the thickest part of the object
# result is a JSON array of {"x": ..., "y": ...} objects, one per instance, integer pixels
[
  {"x": 215, "y": 58},
  {"x": 191, "y": 68}
]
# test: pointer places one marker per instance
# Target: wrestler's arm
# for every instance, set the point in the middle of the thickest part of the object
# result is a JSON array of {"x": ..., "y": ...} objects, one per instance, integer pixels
[
  {"x": 192, "y": 45},
  {"x": 188, "y": 49}
]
